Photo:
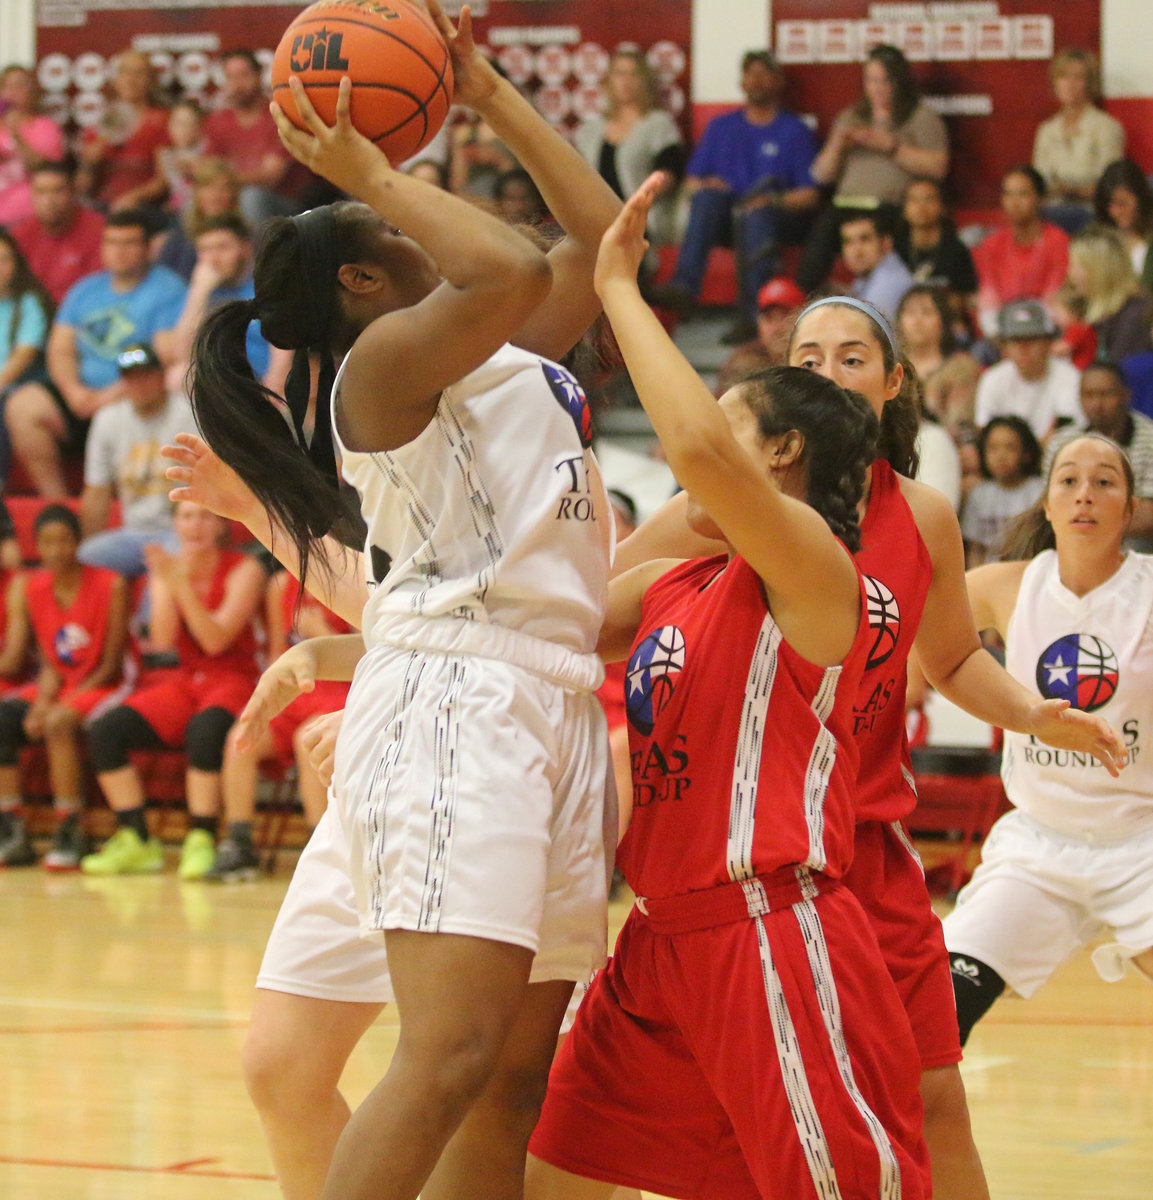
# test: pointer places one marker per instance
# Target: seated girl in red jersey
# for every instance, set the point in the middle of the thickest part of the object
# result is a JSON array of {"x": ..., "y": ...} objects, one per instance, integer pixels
[
  {"x": 289, "y": 618},
  {"x": 204, "y": 601},
  {"x": 79, "y": 615},
  {"x": 746, "y": 1039}
]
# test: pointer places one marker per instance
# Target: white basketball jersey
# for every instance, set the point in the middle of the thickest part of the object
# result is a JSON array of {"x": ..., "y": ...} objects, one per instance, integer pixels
[
  {"x": 1097, "y": 652},
  {"x": 495, "y": 512}
]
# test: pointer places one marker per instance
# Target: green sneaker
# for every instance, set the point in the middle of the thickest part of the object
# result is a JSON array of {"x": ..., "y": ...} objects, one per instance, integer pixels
[
  {"x": 197, "y": 855},
  {"x": 125, "y": 854}
]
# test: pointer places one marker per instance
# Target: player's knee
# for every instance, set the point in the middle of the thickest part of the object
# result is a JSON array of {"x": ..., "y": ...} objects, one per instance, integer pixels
[
  {"x": 456, "y": 1071},
  {"x": 113, "y": 735},
  {"x": 204, "y": 738},
  {"x": 283, "y": 1073},
  {"x": 976, "y": 987},
  {"x": 60, "y": 722},
  {"x": 517, "y": 1095}
]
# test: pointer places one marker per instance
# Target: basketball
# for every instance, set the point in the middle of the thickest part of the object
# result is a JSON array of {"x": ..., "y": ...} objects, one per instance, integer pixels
[{"x": 396, "y": 58}]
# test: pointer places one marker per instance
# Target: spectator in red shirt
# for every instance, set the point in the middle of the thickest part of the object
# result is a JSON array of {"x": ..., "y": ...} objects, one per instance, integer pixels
[
  {"x": 61, "y": 239},
  {"x": 243, "y": 133},
  {"x": 118, "y": 157},
  {"x": 1028, "y": 259}
]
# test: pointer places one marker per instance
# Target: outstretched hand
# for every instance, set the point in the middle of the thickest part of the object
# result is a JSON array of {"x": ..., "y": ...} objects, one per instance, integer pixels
[
  {"x": 1057, "y": 724},
  {"x": 624, "y": 244},
  {"x": 204, "y": 479},
  {"x": 474, "y": 79},
  {"x": 342, "y": 155},
  {"x": 293, "y": 674}
]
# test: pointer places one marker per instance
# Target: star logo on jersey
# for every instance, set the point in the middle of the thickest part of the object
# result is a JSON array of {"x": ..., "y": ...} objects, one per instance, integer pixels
[
  {"x": 650, "y": 679},
  {"x": 1079, "y": 668},
  {"x": 884, "y": 621},
  {"x": 571, "y": 397},
  {"x": 69, "y": 641}
]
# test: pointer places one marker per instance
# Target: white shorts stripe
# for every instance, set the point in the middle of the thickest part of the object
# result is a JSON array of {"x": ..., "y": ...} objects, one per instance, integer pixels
[
  {"x": 810, "y": 1133},
  {"x": 747, "y": 762},
  {"x": 822, "y": 969},
  {"x": 902, "y": 833}
]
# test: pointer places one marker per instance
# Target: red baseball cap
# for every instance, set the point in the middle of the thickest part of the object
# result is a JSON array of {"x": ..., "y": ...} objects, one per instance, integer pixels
[{"x": 780, "y": 291}]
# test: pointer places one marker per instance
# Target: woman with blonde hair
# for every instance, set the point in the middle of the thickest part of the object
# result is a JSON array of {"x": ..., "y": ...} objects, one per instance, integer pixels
[
  {"x": 215, "y": 193},
  {"x": 1078, "y": 142},
  {"x": 1101, "y": 272},
  {"x": 636, "y": 136}
]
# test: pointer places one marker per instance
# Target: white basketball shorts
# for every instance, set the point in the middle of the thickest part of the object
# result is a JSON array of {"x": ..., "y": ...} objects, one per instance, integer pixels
[
  {"x": 1039, "y": 895},
  {"x": 470, "y": 796}
]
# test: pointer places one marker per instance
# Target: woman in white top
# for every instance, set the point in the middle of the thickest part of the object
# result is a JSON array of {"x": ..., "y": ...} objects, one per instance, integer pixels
[
  {"x": 1074, "y": 859},
  {"x": 1074, "y": 146},
  {"x": 466, "y": 817},
  {"x": 636, "y": 136}
]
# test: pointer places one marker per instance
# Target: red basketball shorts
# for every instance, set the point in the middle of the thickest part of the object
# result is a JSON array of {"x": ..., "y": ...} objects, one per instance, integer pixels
[
  {"x": 328, "y": 696},
  {"x": 752, "y": 1057},
  {"x": 886, "y": 877},
  {"x": 169, "y": 699}
]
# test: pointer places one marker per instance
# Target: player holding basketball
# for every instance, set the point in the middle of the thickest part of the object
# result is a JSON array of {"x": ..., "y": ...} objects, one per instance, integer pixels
[
  {"x": 466, "y": 823},
  {"x": 1075, "y": 856},
  {"x": 911, "y": 551},
  {"x": 730, "y": 1048}
]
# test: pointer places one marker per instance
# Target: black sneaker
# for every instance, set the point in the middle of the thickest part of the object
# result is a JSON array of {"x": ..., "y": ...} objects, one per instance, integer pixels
[
  {"x": 235, "y": 861},
  {"x": 16, "y": 848},
  {"x": 70, "y": 846}
]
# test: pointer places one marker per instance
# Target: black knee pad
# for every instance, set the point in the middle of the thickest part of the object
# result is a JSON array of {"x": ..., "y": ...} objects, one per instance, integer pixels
[
  {"x": 205, "y": 736},
  {"x": 976, "y": 987},
  {"x": 112, "y": 735},
  {"x": 12, "y": 736}
]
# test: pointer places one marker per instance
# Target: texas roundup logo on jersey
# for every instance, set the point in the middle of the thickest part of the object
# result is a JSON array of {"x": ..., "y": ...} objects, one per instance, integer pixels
[
  {"x": 654, "y": 667},
  {"x": 69, "y": 642}
]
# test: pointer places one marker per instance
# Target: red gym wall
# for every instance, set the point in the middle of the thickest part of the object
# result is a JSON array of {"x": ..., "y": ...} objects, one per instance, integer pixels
[{"x": 557, "y": 50}]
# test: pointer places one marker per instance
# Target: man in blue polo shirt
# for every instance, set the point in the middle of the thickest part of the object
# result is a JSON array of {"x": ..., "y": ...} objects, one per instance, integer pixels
[
  {"x": 751, "y": 188},
  {"x": 128, "y": 302}
]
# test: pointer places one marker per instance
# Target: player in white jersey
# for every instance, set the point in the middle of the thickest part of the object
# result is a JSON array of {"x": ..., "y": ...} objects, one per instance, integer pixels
[
  {"x": 1074, "y": 859},
  {"x": 466, "y": 821}
]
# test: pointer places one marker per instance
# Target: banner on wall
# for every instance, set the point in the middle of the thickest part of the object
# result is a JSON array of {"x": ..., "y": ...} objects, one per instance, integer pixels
[
  {"x": 555, "y": 51},
  {"x": 982, "y": 64}
]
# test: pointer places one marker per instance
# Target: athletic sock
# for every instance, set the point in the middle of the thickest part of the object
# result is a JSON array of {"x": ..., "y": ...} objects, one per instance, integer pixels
[
  {"x": 134, "y": 819},
  {"x": 208, "y": 824},
  {"x": 241, "y": 832}
]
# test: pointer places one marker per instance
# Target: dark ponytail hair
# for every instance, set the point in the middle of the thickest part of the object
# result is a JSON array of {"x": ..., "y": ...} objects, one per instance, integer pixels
[
  {"x": 245, "y": 423},
  {"x": 839, "y": 428},
  {"x": 1028, "y": 534}
]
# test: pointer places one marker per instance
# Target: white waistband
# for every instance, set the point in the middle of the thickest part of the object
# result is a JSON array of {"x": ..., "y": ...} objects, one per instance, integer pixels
[{"x": 453, "y": 635}]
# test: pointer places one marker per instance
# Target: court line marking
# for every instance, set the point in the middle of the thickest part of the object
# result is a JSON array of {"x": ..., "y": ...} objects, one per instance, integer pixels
[{"x": 193, "y": 1168}]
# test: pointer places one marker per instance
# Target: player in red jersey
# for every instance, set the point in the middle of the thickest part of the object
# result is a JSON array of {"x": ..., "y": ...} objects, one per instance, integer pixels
[
  {"x": 913, "y": 561},
  {"x": 737, "y": 1024},
  {"x": 79, "y": 616},
  {"x": 204, "y": 602},
  {"x": 288, "y": 618}
]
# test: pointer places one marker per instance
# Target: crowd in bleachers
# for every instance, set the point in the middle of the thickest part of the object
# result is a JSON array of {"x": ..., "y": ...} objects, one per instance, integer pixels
[{"x": 143, "y": 627}]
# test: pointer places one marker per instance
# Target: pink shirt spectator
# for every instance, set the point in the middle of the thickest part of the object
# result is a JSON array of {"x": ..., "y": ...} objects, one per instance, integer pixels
[
  {"x": 58, "y": 260},
  {"x": 1008, "y": 271},
  {"x": 43, "y": 135}
]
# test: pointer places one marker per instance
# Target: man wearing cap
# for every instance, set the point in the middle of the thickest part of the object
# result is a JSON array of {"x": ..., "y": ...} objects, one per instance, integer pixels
[
  {"x": 1105, "y": 403},
  {"x": 1029, "y": 382},
  {"x": 778, "y": 303},
  {"x": 123, "y": 459},
  {"x": 751, "y": 188}
]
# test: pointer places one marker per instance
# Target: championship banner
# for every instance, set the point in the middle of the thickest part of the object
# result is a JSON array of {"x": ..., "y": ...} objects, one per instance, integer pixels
[
  {"x": 982, "y": 64},
  {"x": 555, "y": 51}
]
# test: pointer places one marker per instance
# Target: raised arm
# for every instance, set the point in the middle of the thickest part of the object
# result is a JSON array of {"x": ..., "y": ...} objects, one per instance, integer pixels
[
  {"x": 579, "y": 199},
  {"x": 801, "y": 563}
]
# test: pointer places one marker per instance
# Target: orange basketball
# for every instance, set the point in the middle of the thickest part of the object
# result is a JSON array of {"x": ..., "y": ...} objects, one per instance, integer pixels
[{"x": 398, "y": 63}]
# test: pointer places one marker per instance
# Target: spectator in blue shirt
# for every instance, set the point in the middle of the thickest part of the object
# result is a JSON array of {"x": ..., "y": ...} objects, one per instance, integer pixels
[
  {"x": 879, "y": 275},
  {"x": 223, "y": 272},
  {"x": 130, "y": 301},
  {"x": 751, "y": 188}
]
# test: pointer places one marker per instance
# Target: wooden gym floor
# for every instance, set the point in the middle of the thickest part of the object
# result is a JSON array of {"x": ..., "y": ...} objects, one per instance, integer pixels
[{"x": 123, "y": 1005}]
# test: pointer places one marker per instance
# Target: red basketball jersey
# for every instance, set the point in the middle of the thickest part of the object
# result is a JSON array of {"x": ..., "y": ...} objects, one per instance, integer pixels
[
  {"x": 288, "y": 597},
  {"x": 742, "y": 751},
  {"x": 241, "y": 654},
  {"x": 71, "y": 639},
  {"x": 895, "y": 563}
]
